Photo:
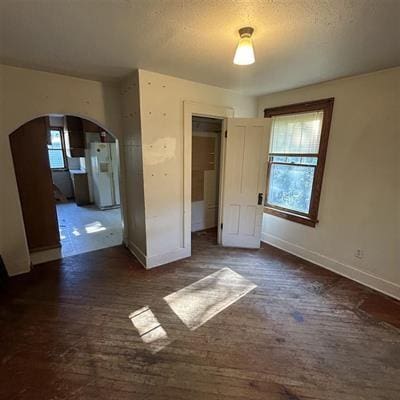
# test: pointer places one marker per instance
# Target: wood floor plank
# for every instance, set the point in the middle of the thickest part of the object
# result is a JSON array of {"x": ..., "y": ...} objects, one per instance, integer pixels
[{"x": 303, "y": 333}]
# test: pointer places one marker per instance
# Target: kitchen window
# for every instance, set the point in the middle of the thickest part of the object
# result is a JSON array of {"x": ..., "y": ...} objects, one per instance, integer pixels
[
  {"x": 298, "y": 146},
  {"x": 56, "y": 149}
]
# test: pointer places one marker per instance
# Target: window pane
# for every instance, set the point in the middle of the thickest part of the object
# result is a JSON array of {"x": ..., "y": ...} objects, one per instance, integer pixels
[
  {"x": 297, "y": 133},
  {"x": 56, "y": 159},
  {"x": 55, "y": 139},
  {"x": 290, "y": 187},
  {"x": 309, "y": 160},
  {"x": 279, "y": 159},
  {"x": 295, "y": 160}
]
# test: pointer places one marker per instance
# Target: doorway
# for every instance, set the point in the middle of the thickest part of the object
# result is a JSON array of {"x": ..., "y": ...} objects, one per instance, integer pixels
[
  {"x": 206, "y": 167},
  {"x": 67, "y": 171},
  {"x": 243, "y": 166}
]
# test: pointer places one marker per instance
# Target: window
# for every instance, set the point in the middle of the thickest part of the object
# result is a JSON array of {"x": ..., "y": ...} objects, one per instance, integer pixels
[
  {"x": 55, "y": 148},
  {"x": 298, "y": 145}
]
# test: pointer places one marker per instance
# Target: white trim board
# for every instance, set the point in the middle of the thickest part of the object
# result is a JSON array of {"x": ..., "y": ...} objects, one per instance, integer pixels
[
  {"x": 139, "y": 255},
  {"x": 364, "y": 278},
  {"x": 166, "y": 258},
  {"x": 149, "y": 262},
  {"x": 40, "y": 257}
]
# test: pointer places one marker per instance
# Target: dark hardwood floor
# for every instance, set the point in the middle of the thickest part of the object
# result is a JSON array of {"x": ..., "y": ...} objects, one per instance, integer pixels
[{"x": 302, "y": 333}]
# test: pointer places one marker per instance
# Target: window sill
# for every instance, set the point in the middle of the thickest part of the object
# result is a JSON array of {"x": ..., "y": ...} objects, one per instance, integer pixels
[{"x": 291, "y": 217}]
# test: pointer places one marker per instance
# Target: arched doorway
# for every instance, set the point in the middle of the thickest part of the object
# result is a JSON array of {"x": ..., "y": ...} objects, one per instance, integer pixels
[{"x": 67, "y": 171}]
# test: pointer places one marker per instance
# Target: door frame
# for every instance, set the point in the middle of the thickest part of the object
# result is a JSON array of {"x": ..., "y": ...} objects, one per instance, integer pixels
[{"x": 190, "y": 109}]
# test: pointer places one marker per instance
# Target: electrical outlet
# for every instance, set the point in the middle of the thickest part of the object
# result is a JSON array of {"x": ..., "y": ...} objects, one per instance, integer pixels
[{"x": 359, "y": 253}]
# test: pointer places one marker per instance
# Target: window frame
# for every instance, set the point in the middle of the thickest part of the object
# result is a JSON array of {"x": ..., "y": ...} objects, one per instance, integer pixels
[
  {"x": 325, "y": 105},
  {"x": 61, "y": 130}
]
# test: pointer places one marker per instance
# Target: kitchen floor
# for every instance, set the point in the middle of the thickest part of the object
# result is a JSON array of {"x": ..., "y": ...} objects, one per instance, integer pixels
[{"x": 86, "y": 228}]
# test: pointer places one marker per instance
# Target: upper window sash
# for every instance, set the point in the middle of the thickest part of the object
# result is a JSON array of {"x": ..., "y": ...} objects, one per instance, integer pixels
[{"x": 296, "y": 133}]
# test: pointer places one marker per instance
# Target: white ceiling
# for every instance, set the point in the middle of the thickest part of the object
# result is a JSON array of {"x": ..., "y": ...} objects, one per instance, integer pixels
[{"x": 297, "y": 42}]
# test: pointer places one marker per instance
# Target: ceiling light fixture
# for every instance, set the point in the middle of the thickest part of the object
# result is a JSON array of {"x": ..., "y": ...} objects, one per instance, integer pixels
[{"x": 244, "y": 54}]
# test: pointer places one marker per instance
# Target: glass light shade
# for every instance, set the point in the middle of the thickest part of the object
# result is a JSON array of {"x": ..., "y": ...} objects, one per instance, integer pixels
[{"x": 244, "y": 54}]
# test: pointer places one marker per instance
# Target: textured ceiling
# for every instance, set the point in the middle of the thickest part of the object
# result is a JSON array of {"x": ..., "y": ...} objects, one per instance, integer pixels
[{"x": 297, "y": 42}]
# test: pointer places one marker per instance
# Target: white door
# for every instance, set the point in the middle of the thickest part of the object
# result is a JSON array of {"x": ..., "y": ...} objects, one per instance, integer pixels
[{"x": 246, "y": 158}]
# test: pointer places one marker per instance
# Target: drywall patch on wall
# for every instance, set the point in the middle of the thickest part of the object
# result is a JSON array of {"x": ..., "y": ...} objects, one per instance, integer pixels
[
  {"x": 360, "y": 199},
  {"x": 25, "y": 95}
]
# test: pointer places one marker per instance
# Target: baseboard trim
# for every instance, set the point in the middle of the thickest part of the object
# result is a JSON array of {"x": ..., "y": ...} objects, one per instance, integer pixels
[
  {"x": 149, "y": 262},
  {"x": 139, "y": 255},
  {"x": 364, "y": 278},
  {"x": 43, "y": 256},
  {"x": 165, "y": 258}
]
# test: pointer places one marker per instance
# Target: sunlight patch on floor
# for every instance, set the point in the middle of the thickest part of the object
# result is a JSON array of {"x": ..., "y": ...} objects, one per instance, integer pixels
[
  {"x": 149, "y": 329},
  {"x": 94, "y": 227},
  {"x": 199, "y": 302},
  {"x": 86, "y": 228}
]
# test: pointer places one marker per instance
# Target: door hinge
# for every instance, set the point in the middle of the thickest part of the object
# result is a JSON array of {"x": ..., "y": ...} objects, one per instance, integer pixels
[
  {"x": 222, "y": 225},
  {"x": 226, "y": 134}
]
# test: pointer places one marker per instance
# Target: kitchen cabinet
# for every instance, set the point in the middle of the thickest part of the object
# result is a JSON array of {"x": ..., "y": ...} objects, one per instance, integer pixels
[{"x": 76, "y": 137}]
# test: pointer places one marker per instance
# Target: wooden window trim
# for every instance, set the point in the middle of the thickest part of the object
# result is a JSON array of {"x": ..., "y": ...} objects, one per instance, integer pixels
[{"x": 325, "y": 105}]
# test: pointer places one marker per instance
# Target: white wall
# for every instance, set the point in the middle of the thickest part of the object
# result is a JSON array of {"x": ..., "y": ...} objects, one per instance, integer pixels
[
  {"x": 161, "y": 109},
  {"x": 360, "y": 202},
  {"x": 24, "y": 95}
]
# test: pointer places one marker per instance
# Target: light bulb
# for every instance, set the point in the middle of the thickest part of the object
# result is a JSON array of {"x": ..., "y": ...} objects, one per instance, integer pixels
[{"x": 244, "y": 54}]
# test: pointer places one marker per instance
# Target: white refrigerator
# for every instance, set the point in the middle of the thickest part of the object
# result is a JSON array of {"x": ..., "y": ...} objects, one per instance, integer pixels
[{"x": 105, "y": 179}]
